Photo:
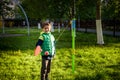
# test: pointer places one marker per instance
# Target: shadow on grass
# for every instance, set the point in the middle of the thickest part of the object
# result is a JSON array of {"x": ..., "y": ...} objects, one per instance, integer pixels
[
  {"x": 115, "y": 75},
  {"x": 97, "y": 77},
  {"x": 100, "y": 76},
  {"x": 17, "y": 43},
  {"x": 111, "y": 72}
]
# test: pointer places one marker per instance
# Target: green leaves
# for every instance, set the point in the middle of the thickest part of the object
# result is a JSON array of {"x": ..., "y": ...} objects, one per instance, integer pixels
[
  {"x": 111, "y": 9},
  {"x": 5, "y": 10}
]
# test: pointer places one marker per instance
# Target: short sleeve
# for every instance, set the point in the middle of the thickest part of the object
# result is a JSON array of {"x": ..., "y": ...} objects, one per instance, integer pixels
[{"x": 41, "y": 37}]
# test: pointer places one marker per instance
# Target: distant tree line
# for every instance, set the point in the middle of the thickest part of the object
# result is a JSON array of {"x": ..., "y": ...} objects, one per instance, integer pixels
[{"x": 60, "y": 11}]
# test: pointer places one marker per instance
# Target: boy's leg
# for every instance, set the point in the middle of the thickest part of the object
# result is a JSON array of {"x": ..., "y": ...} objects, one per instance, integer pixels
[
  {"x": 43, "y": 69},
  {"x": 48, "y": 69}
]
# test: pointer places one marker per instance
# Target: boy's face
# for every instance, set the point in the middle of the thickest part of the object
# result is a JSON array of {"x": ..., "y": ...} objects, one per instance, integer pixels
[{"x": 47, "y": 29}]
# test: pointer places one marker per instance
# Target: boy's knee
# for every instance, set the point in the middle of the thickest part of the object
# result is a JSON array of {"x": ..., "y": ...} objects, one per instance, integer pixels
[{"x": 43, "y": 70}]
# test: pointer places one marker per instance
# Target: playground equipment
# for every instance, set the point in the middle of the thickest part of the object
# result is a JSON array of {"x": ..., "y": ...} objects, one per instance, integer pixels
[
  {"x": 73, "y": 38},
  {"x": 73, "y": 43},
  {"x": 17, "y": 2}
]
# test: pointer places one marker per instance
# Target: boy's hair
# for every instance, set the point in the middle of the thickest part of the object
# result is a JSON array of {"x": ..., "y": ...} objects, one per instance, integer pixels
[{"x": 46, "y": 24}]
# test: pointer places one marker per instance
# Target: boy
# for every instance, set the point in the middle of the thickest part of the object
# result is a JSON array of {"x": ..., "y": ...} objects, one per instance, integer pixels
[{"x": 45, "y": 45}]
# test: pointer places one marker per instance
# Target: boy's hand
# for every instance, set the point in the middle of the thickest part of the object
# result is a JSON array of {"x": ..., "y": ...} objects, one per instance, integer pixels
[{"x": 37, "y": 50}]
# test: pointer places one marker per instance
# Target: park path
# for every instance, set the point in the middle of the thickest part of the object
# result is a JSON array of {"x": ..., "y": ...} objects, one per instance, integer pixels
[{"x": 104, "y": 32}]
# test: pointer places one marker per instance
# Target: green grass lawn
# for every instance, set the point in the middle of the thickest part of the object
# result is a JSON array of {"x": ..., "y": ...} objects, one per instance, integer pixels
[{"x": 92, "y": 61}]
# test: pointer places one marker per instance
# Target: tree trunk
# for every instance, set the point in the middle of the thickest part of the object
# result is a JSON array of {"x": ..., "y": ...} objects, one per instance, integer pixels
[
  {"x": 3, "y": 27},
  {"x": 99, "y": 23}
]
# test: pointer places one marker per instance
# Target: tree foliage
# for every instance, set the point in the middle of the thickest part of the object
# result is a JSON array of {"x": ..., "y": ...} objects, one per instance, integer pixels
[
  {"x": 5, "y": 10},
  {"x": 86, "y": 9},
  {"x": 111, "y": 9},
  {"x": 46, "y": 8},
  {"x": 59, "y": 8},
  {"x": 63, "y": 9}
]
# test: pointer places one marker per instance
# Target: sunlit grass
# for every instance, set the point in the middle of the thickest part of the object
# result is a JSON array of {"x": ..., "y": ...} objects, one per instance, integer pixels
[{"x": 92, "y": 61}]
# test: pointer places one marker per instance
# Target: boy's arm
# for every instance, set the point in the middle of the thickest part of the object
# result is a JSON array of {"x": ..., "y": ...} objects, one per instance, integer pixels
[
  {"x": 39, "y": 43},
  {"x": 38, "y": 48}
]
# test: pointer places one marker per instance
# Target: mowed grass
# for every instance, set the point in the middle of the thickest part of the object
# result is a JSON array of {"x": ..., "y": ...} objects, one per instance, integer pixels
[{"x": 92, "y": 61}]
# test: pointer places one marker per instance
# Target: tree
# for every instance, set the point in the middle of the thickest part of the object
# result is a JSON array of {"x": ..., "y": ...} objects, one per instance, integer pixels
[
  {"x": 99, "y": 23},
  {"x": 5, "y": 11}
]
